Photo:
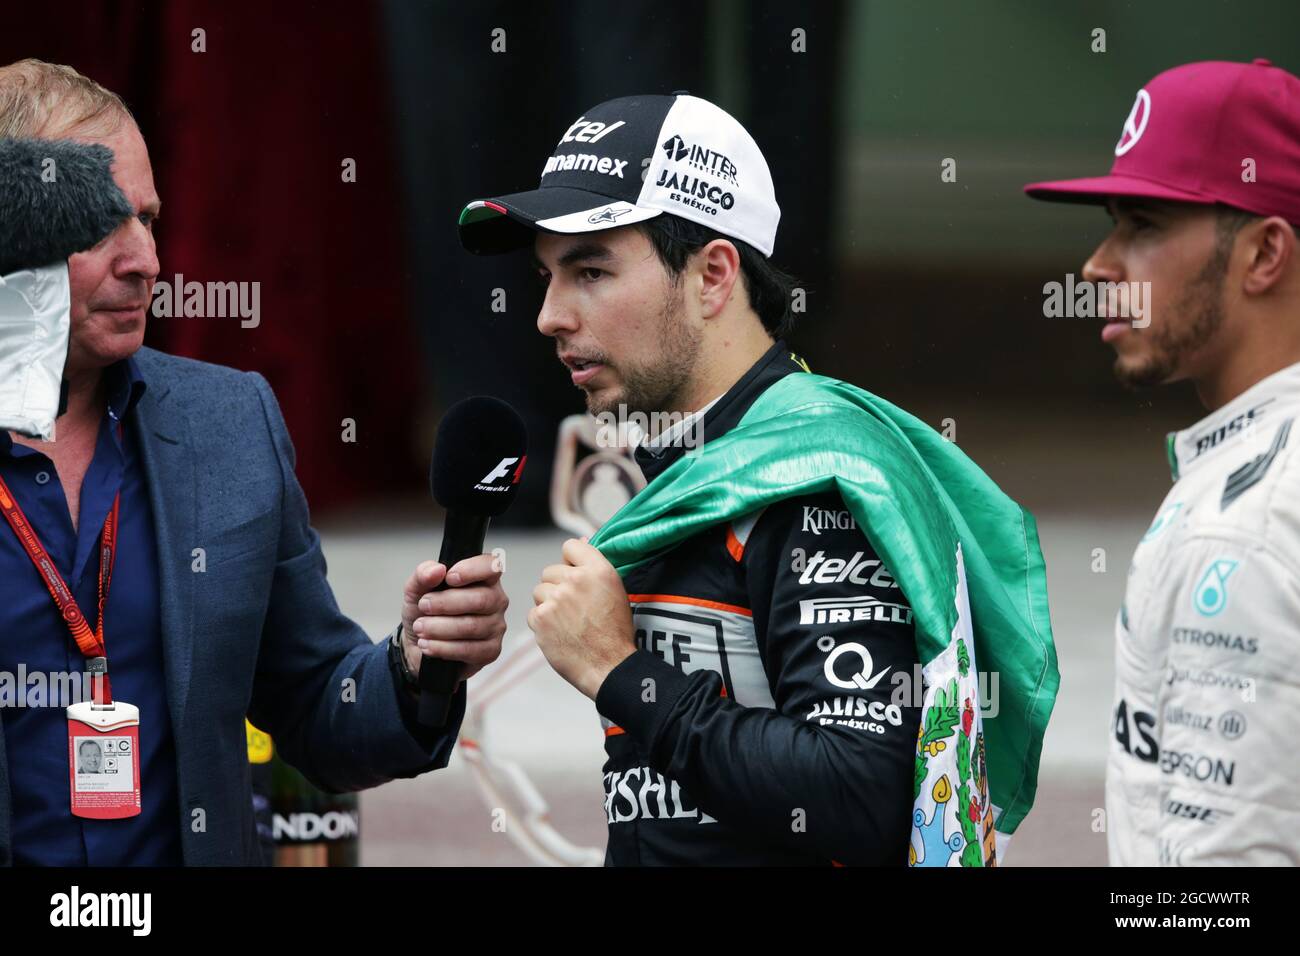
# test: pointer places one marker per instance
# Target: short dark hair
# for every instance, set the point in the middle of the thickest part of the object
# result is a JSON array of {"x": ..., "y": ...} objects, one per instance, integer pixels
[
  {"x": 1229, "y": 220},
  {"x": 770, "y": 290}
]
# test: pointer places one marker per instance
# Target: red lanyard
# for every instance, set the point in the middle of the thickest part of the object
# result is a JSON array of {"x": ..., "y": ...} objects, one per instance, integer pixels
[{"x": 91, "y": 643}]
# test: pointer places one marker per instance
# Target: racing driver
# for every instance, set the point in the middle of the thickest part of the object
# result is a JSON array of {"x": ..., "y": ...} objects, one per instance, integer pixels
[
  {"x": 748, "y": 661},
  {"x": 1205, "y": 194}
]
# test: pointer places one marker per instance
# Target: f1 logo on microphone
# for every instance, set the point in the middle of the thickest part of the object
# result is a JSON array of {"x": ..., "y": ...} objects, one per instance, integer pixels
[{"x": 503, "y": 469}]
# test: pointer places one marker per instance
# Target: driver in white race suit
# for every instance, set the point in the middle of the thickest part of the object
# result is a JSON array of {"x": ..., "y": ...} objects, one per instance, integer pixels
[{"x": 1205, "y": 194}]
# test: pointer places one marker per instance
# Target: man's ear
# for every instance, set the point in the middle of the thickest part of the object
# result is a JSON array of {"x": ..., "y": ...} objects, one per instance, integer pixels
[
  {"x": 1271, "y": 246},
  {"x": 719, "y": 265}
]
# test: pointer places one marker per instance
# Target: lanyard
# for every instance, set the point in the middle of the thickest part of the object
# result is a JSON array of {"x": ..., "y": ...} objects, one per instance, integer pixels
[{"x": 91, "y": 643}]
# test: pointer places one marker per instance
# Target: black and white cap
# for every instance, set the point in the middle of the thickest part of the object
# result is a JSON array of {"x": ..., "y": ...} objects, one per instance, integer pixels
[{"x": 631, "y": 159}]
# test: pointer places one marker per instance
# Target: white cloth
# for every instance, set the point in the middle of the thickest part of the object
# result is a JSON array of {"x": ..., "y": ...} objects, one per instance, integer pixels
[
  {"x": 35, "y": 323},
  {"x": 1202, "y": 768}
]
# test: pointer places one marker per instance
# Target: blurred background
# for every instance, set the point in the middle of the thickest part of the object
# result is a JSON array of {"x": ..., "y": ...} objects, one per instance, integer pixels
[{"x": 928, "y": 292}]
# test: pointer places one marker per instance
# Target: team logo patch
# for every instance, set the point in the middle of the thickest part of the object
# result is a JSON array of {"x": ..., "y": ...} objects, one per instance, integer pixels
[
  {"x": 1136, "y": 124},
  {"x": 1211, "y": 594},
  {"x": 608, "y": 214}
]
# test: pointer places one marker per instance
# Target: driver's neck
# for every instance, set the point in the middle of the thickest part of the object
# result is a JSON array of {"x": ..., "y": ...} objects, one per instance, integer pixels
[
  {"x": 1242, "y": 369},
  {"x": 722, "y": 364}
]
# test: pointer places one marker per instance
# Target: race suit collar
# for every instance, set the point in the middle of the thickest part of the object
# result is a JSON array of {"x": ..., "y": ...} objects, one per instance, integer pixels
[
  {"x": 670, "y": 435},
  {"x": 721, "y": 415},
  {"x": 1278, "y": 395}
]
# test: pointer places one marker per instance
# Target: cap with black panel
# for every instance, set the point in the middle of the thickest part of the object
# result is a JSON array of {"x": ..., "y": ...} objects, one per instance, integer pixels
[{"x": 629, "y": 160}]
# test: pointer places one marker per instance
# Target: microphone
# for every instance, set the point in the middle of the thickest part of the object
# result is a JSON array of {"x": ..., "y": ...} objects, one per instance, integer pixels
[
  {"x": 478, "y": 459},
  {"x": 57, "y": 197}
]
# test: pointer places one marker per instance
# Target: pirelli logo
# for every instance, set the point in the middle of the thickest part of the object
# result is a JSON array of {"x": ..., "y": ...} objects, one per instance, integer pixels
[{"x": 846, "y": 610}]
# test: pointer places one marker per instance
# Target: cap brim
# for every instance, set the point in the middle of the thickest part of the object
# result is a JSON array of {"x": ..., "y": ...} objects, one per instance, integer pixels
[
  {"x": 505, "y": 223},
  {"x": 1098, "y": 189}
]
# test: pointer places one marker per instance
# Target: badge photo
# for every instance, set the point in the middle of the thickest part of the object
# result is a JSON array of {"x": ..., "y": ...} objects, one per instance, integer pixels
[{"x": 103, "y": 760}]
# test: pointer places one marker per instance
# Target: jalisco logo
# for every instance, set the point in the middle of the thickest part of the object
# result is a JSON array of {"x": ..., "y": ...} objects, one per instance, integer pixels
[
  {"x": 1136, "y": 124},
  {"x": 1098, "y": 300},
  {"x": 849, "y": 711},
  {"x": 690, "y": 190},
  {"x": 701, "y": 158}
]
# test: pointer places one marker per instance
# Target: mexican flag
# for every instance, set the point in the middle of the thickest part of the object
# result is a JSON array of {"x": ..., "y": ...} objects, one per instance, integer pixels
[{"x": 965, "y": 555}]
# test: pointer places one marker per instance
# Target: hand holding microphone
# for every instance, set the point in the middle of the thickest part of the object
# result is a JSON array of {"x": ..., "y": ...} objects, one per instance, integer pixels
[{"x": 457, "y": 606}]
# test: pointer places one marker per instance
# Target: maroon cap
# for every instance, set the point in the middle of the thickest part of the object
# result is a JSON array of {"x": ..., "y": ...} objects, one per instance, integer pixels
[{"x": 1190, "y": 134}]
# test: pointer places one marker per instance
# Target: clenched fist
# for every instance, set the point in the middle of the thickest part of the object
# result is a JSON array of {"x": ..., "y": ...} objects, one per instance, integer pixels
[{"x": 581, "y": 617}]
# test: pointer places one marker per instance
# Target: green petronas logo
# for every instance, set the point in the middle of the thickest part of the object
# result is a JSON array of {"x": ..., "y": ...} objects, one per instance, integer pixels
[{"x": 1211, "y": 594}]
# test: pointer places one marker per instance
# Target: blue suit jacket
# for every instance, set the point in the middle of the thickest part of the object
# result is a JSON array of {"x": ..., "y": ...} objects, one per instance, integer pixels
[{"x": 250, "y": 626}]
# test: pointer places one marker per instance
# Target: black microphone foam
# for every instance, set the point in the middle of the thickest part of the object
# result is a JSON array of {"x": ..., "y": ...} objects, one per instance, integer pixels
[
  {"x": 477, "y": 463},
  {"x": 479, "y": 456},
  {"x": 41, "y": 222}
]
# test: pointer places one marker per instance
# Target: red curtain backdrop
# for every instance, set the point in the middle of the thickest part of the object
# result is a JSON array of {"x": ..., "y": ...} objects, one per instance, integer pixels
[{"x": 248, "y": 141}]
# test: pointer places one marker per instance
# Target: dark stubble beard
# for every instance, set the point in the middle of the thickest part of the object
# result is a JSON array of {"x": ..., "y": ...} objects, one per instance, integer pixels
[
  {"x": 657, "y": 385},
  {"x": 1171, "y": 343}
]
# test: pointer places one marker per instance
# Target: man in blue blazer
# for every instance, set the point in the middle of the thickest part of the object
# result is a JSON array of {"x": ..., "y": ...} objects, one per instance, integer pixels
[{"x": 164, "y": 538}]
